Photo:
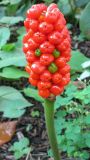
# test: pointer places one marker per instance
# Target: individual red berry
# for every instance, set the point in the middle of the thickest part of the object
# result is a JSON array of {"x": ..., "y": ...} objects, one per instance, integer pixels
[
  {"x": 51, "y": 7},
  {"x": 33, "y": 24},
  {"x": 33, "y": 82},
  {"x": 30, "y": 56},
  {"x": 55, "y": 37},
  {"x": 45, "y": 27},
  {"x": 28, "y": 69},
  {"x": 60, "y": 62},
  {"x": 64, "y": 45},
  {"x": 47, "y": 47},
  {"x": 26, "y": 23},
  {"x": 37, "y": 67},
  {"x": 33, "y": 12},
  {"x": 44, "y": 93},
  {"x": 56, "y": 78},
  {"x": 28, "y": 35},
  {"x": 34, "y": 75},
  {"x": 65, "y": 80},
  {"x": 25, "y": 38},
  {"x": 56, "y": 90},
  {"x": 60, "y": 25},
  {"x": 39, "y": 37},
  {"x": 44, "y": 85},
  {"x": 25, "y": 47},
  {"x": 46, "y": 76},
  {"x": 46, "y": 59},
  {"x": 64, "y": 32},
  {"x": 66, "y": 53},
  {"x": 65, "y": 69},
  {"x": 51, "y": 17},
  {"x": 32, "y": 44}
]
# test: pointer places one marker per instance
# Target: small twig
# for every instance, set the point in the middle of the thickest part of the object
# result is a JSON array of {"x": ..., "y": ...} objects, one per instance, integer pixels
[{"x": 29, "y": 155}]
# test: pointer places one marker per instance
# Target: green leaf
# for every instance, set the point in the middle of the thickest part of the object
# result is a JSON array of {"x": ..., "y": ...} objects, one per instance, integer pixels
[
  {"x": 13, "y": 73},
  {"x": 35, "y": 114},
  {"x": 14, "y": 2},
  {"x": 12, "y": 103},
  {"x": 4, "y": 36},
  {"x": 80, "y": 3},
  {"x": 84, "y": 95},
  {"x": 16, "y": 58},
  {"x": 8, "y": 47},
  {"x": 87, "y": 119},
  {"x": 11, "y": 20},
  {"x": 30, "y": 92},
  {"x": 61, "y": 101},
  {"x": 64, "y": 6},
  {"x": 20, "y": 148},
  {"x": 85, "y": 21},
  {"x": 76, "y": 61},
  {"x": 70, "y": 90},
  {"x": 87, "y": 139}
]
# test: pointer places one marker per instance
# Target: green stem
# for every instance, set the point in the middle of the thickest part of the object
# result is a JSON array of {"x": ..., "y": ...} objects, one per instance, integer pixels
[{"x": 49, "y": 117}]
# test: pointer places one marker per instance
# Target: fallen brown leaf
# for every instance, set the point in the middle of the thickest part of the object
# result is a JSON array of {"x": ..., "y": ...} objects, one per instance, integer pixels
[{"x": 7, "y": 130}]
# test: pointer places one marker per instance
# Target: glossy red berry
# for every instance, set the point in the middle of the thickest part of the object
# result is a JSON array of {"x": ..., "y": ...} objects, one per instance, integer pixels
[
  {"x": 44, "y": 93},
  {"x": 33, "y": 82},
  {"x": 46, "y": 76},
  {"x": 44, "y": 85},
  {"x": 60, "y": 62},
  {"x": 46, "y": 47},
  {"x": 37, "y": 67},
  {"x": 32, "y": 44},
  {"x": 56, "y": 90},
  {"x": 55, "y": 37},
  {"x": 56, "y": 78},
  {"x": 39, "y": 37},
  {"x": 46, "y": 59},
  {"x": 30, "y": 56},
  {"x": 45, "y": 27}
]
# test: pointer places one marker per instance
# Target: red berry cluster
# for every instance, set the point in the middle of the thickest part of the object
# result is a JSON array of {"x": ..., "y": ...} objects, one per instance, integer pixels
[{"x": 47, "y": 48}]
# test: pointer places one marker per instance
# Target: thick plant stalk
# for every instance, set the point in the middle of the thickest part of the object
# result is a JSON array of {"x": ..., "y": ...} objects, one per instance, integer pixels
[{"x": 49, "y": 117}]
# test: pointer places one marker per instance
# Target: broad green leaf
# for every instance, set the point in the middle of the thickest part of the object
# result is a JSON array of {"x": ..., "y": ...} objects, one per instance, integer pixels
[
  {"x": 64, "y": 6},
  {"x": 4, "y": 36},
  {"x": 87, "y": 119},
  {"x": 13, "y": 73},
  {"x": 61, "y": 101},
  {"x": 15, "y": 2},
  {"x": 85, "y": 21},
  {"x": 76, "y": 61},
  {"x": 80, "y": 3},
  {"x": 87, "y": 139},
  {"x": 33, "y": 93},
  {"x": 8, "y": 47},
  {"x": 84, "y": 95},
  {"x": 12, "y": 103},
  {"x": 16, "y": 58},
  {"x": 11, "y": 20},
  {"x": 20, "y": 148}
]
